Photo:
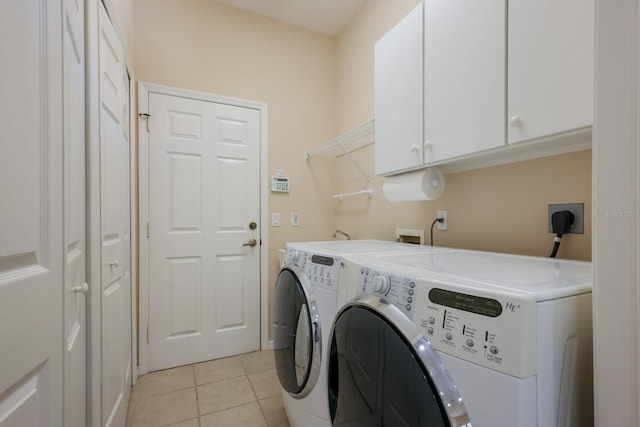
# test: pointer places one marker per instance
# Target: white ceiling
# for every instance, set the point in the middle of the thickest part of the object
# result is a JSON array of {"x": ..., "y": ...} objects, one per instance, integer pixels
[{"x": 324, "y": 16}]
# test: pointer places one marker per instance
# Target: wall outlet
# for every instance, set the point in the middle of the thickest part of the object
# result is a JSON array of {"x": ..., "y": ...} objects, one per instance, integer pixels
[
  {"x": 295, "y": 219},
  {"x": 577, "y": 209},
  {"x": 275, "y": 219},
  {"x": 444, "y": 225}
]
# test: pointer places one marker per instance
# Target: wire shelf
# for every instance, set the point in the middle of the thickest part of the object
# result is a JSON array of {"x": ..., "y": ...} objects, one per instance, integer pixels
[{"x": 358, "y": 137}]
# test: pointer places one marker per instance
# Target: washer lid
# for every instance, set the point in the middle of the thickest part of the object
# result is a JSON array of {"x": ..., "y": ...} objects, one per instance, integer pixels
[
  {"x": 384, "y": 372},
  {"x": 296, "y": 333}
]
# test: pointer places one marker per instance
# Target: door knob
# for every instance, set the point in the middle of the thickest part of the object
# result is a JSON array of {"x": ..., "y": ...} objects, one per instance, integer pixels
[
  {"x": 251, "y": 243},
  {"x": 84, "y": 288},
  {"x": 114, "y": 263},
  {"x": 253, "y": 225}
]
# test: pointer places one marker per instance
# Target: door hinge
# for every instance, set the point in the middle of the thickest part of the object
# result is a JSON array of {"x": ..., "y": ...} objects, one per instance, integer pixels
[
  {"x": 148, "y": 230},
  {"x": 147, "y": 335},
  {"x": 146, "y": 116}
]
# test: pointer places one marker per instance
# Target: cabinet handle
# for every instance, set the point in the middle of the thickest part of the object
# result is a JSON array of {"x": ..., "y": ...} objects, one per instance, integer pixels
[
  {"x": 427, "y": 145},
  {"x": 415, "y": 148},
  {"x": 515, "y": 122}
]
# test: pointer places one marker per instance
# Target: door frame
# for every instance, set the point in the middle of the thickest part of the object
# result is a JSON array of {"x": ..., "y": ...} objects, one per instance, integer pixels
[
  {"x": 616, "y": 213},
  {"x": 144, "y": 89}
]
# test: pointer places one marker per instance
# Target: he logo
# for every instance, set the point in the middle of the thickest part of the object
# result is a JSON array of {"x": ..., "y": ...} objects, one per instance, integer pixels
[{"x": 511, "y": 306}]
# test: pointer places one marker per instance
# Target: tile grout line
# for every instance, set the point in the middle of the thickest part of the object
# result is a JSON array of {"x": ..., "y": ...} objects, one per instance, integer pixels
[
  {"x": 195, "y": 385},
  {"x": 264, "y": 417},
  {"x": 133, "y": 414}
]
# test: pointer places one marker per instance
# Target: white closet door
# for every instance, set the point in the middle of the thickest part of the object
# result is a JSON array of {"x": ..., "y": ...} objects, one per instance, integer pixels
[
  {"x": 31, "y": 194},
  {"x": 115, "y": 233},
  {"x": 75, "y": 287}
]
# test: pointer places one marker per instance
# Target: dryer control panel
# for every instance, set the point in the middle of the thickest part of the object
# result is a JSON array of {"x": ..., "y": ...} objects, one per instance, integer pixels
[
  {"x": 321, "y": 270},
  {"x": 398, "y": 290},
  {"x": 472, "y": 321}
]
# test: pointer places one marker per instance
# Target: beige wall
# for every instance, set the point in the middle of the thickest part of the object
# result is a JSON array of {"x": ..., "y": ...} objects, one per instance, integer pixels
[
  {"x": 123, "y": 11},
  {"x": 354, "y": 52},
  {"x": 501, "y": 208},
  {"x": 317, "y": 86}
]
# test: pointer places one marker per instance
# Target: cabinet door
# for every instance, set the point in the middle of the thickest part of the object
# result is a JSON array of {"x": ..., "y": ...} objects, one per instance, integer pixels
[
  {"x": 464, "y": 77},
  {"x": 398, "y": 96},
  {"x": 551, "y": 61}
]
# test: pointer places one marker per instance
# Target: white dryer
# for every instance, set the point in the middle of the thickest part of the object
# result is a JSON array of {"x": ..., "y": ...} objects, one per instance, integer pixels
[
  {"x": 514, "y": 332},
  {"x": 305, "y": 301}
]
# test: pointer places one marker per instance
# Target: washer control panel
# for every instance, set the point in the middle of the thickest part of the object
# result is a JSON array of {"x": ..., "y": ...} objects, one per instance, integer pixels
[
  {"x": 473, "y": 321},
  {"x": 321, "y": 270},
  {"x": 398, "y": 290}
]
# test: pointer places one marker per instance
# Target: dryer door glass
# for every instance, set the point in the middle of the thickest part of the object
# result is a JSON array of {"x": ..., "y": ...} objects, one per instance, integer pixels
[
  {"x": 302, "y": 348},
  {"x": 292, "y": 333},
  {"x": 377, "y": 378}
]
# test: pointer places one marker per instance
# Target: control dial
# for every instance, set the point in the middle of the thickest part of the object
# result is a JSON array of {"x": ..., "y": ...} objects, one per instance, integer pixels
[
  {"x": 380, "y": 284},
  {"x": 294, "y": 255}
]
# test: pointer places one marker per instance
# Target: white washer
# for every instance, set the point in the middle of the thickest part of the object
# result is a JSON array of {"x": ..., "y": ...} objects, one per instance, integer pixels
[
  {"x": 514, "y": 332},
  {"x": 305, "y": 303}
]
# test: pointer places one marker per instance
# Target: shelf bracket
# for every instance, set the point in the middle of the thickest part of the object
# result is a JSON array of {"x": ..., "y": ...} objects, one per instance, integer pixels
[
  {"x": 366, "y": 177},
  {"x": 358, "y": 137}
]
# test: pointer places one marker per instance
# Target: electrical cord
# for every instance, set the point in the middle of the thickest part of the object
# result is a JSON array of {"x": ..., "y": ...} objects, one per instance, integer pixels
[
  {"x": 432, "y": 224},
  {"x": 560, "y": 224}
]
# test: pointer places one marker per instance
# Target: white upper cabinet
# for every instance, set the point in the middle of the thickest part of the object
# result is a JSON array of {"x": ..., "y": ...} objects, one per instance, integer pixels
[
  {"x": 398, "y": 96},
  {"x": 464, "y": 93},
  {"x": 457, "y": 83},
  {"x": 551, "y": 61}
]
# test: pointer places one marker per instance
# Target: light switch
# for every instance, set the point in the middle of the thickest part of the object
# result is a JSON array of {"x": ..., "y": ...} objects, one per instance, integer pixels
[{"x": 275, "y": 219}]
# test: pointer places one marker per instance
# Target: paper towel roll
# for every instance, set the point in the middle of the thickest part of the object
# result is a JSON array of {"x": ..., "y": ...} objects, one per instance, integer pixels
[{"x": 425, "y": 184}]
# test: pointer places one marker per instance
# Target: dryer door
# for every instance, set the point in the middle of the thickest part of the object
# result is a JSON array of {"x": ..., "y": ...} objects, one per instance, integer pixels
[
  {"x": 296, "y": 333},
  {"x": 384, "y": 372}
]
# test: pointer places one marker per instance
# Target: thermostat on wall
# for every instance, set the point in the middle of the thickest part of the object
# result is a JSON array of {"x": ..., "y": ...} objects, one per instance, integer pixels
[{"x": 280, "y": 184}]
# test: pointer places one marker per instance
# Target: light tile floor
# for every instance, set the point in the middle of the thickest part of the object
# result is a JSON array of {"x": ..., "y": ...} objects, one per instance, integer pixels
[{"x": 235, "y": 391}]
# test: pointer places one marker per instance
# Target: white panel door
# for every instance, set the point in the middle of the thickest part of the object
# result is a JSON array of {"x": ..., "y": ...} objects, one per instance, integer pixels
[
  {"x": 75, "y": 287},
  {"x": 31, "y": 217},
  {"x": 204, "y": 280},
  {"x": 115, "y": 235},
  {"x": 464, "y": 77}
]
